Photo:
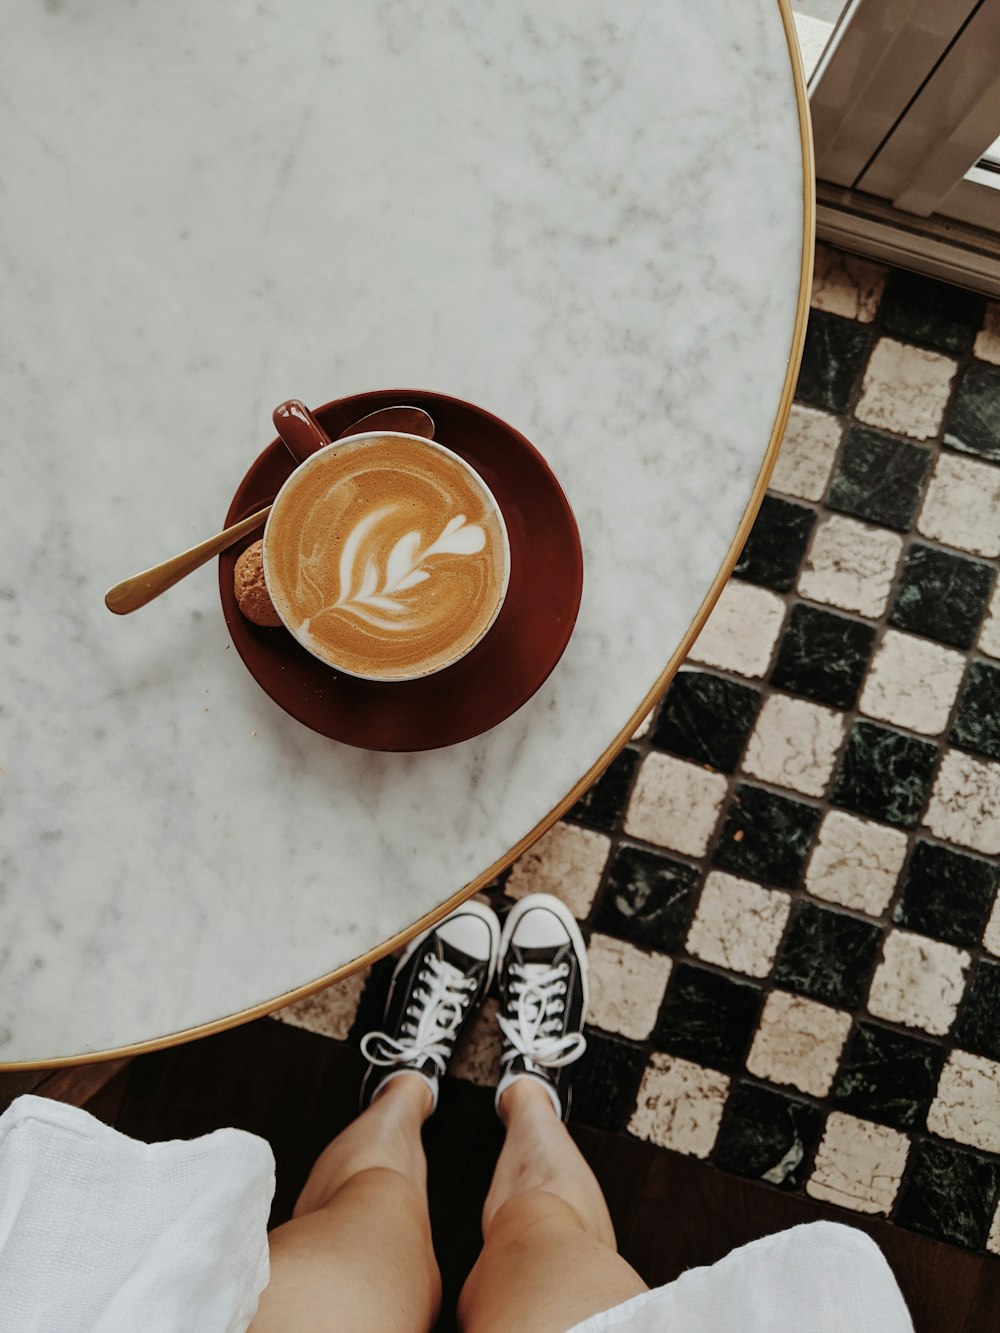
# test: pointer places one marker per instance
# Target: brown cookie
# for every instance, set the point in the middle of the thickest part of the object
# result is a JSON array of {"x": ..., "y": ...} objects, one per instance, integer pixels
[{"x": 250, "y": 588}]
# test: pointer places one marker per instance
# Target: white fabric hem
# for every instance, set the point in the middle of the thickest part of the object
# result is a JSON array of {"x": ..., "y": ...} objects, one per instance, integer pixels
[
  {"x": 99, "y": 1231},
  {"x": 820, "y": 1277}
]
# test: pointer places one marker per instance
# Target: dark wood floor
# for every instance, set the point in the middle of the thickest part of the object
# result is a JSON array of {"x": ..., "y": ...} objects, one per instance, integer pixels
[{"x": 671, "y": 1213}]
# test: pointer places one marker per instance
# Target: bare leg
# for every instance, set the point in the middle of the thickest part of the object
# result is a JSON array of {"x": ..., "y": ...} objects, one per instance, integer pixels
[
  {"x": 357, "y": 1253},
  {"x": 549, "y": 1258}
]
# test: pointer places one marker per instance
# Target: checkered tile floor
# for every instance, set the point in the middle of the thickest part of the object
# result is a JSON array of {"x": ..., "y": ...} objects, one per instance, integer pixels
[{"x": 789, "y": 877}]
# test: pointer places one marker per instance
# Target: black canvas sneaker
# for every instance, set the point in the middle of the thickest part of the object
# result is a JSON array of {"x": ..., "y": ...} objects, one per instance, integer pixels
[
  {"x": 543, "y": 997},
  {"x": 440, "y": 980}
]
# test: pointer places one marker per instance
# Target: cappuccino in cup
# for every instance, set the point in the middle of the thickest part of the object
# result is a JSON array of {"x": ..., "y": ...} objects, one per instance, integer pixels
[{"x": 386, "y": 556}]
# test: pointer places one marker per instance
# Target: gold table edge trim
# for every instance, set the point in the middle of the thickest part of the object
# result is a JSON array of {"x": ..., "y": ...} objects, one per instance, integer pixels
[{"x": 620, "y": 741}]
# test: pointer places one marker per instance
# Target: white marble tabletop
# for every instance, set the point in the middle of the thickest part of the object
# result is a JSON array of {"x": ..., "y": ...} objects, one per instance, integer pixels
[{"x": 587, "y": 218}]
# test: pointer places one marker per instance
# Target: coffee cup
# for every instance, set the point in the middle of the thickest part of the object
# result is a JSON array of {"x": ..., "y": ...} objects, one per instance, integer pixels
[{"x": 386, "y": 555}]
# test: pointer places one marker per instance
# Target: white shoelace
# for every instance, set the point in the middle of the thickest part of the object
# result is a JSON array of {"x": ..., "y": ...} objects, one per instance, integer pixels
[
  {"x": 432, "y": 1018},
  {"x": 537, "y": 1007}
]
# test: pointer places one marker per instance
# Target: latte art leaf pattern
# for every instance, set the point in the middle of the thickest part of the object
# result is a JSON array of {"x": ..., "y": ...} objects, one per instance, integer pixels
[
  {"x": 385, "y": 560},
  {"x": 364, "y": 588}
]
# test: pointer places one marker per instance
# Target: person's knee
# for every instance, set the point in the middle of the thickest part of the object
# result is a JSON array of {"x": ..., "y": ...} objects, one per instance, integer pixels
[
  {"x": 518, "y": 1221},
  {"x": 380, "y": 1188},
  {"x": 540, "y": 1260}
]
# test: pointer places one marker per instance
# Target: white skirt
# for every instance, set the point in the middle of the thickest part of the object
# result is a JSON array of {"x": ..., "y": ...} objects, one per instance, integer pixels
[
  {"x": 99, "y": 1232},
  {"x": 820, "y": 1277},
  {"x": 102, "y": 1234}
]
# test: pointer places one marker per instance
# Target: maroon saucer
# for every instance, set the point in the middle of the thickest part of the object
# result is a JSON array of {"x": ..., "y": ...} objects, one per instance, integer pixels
[{"x": 504, "y": 670}]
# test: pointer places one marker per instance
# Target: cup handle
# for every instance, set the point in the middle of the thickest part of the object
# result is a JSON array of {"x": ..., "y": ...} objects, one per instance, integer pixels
[{"x": 300, "y": 432}]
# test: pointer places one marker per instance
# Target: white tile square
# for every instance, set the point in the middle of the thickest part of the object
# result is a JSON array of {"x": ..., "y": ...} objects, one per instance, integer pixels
[
  {"x": 993, "y": 1240},
  {"x": 859, "y": 1165},
  {"x": 987, "y": 344},
  {"x": 626, "y": 987},
  {"x": 850, "y": 565},
  {"x": 331, "y": 1011},
  {"x": 989, "y": 634},
  {"x": 798, "y": 1042},
  {"x": 643, "y": 728},
  {"x": 919, "y": 982},
  {"x": 738, "y": 924},
  {"x": 962, "y": 505},
  {"x": 991, "y": 935},
  {"x": 846, "y": 285},
  {"x": 567, "y": 862},
  {"x": 794, "y": 744},
  {"x": 913, "y": 683},
  {"x": 808, "y": 449},
  {"x": 856, "y": 863},
  {"x": 965, "y": 803},
  {"x": 967, "y": 1105},
  {"x": 675, "y": 804},
  {"x": 905, "y": 389},
  {"x": 742, "y": 630},
  {"x": 679, "y": 1105}
]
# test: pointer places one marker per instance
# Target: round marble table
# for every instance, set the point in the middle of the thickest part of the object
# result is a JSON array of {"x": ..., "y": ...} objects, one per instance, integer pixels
[{"x": 593, "y": 221}]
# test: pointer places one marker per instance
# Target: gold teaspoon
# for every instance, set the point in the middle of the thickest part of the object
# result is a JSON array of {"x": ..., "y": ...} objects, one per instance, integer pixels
[{"x": 142, "y": 588}]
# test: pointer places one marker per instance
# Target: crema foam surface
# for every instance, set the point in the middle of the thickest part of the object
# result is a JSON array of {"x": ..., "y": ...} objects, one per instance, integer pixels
[{"x": 386, "y": 558}]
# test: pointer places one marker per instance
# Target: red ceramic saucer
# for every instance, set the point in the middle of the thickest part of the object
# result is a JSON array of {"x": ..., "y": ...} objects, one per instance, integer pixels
[{"x": 504, "y": 670}]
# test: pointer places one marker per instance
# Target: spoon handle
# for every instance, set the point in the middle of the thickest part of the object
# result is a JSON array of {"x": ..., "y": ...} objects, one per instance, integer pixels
[
  {"x": 302, "y": 435},
  {"x": 142, "y": 588}
]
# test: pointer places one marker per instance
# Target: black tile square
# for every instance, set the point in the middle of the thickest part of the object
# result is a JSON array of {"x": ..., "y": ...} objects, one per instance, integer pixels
[
  {"x": 601, "y": 806},
  {"x": 606, "y": 1082},
  {"x": 823, "y": 656},
  {"x": 647, "y": 899},
  {"x": 977, "y": 1027},
  {"x": 888, "y": 1076},
  {"x": 973, "y": 424},
  {"x": 941, "y": 596},
  {"x": 767, "y": 1136},
  {"x": 777, "y": 542},
  {"x": 931, "y": 312},
  {"x": 707, "y": 1018},
  {"x": 977, "y": 722},
  {"x": 884, "y": 774},
  {"x": 946, "y": 894},
  {"x": 766, "y": 837},
  {"x": 879, "y": 478},
  {"x": 834, "y": 355},
  {"x": 949, "y": 1193},
  {"x": 827, "y": 955},
  {"x": 706, "y": 719}
]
